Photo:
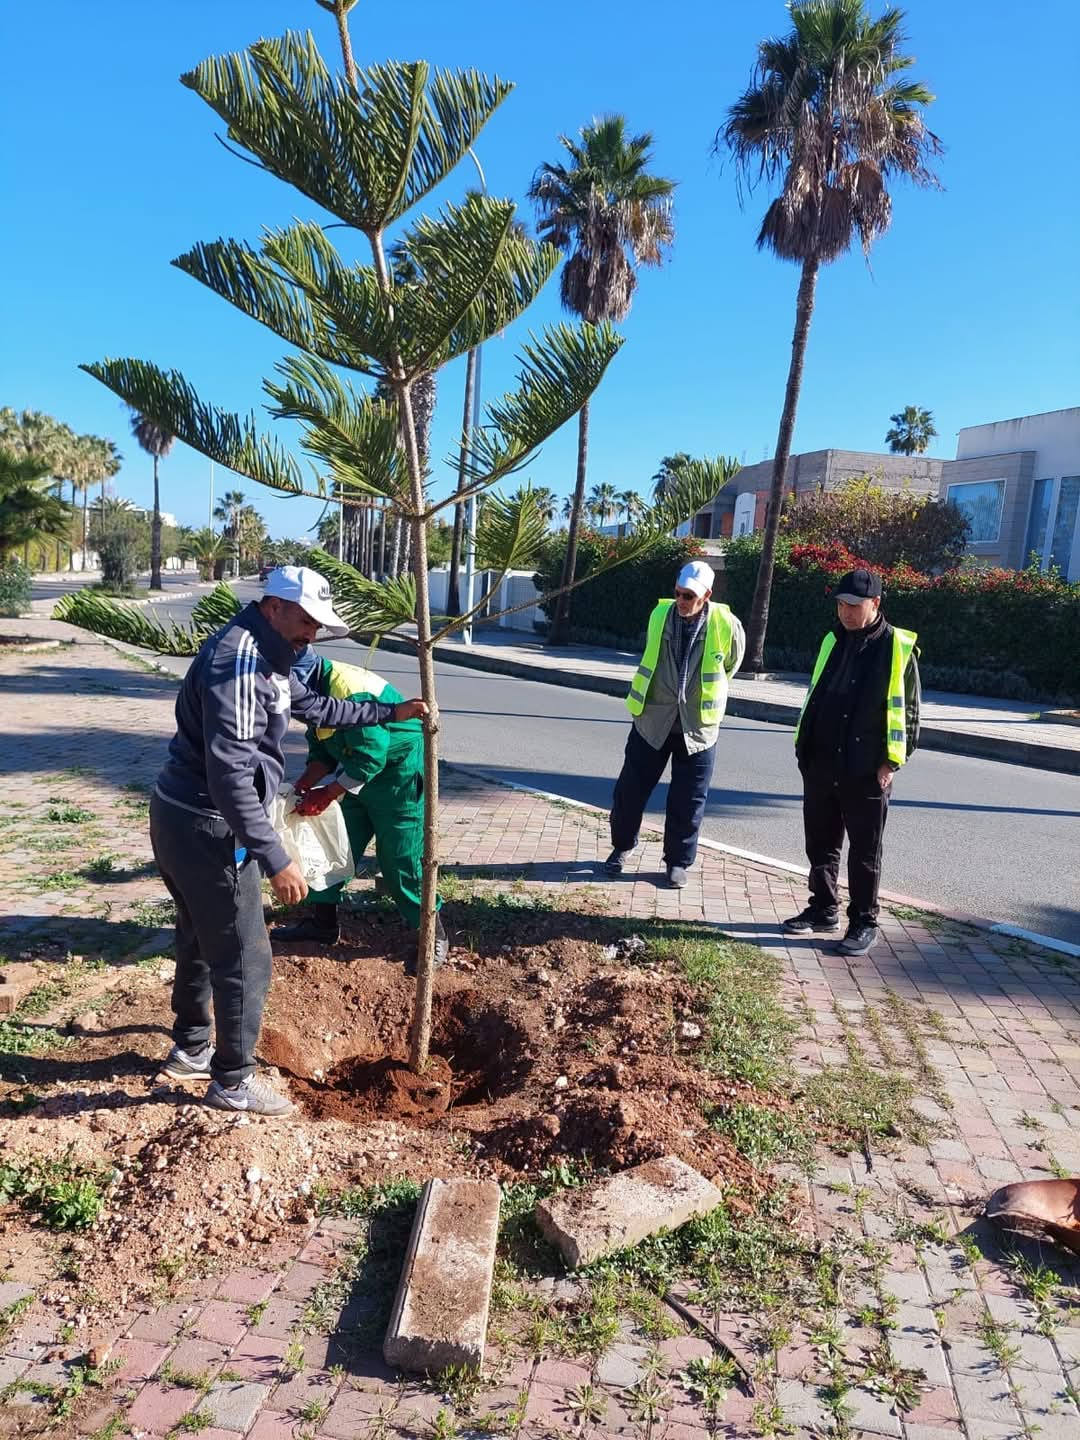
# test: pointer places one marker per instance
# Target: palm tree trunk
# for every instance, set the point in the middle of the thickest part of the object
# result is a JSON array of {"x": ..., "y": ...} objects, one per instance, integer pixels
[
  {"x": 71, "y": 548},
  {"x": 85, "y": 521},
  {"x": 453, "y": 597},
  {"x": 759, "y": 611},
  {"x": 155, "y": 535},
  {"x": 560, "y": 626}
]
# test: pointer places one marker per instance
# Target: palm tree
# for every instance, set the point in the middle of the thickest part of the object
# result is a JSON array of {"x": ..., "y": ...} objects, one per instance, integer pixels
[
  {"x": 209, "y": 551},
  {"x": 227, "y": 510},
  {"x": 913, "y": 429},
  {"x": 157, "y": 441},
  {"x": 631, "y": 504},
  {"x": 29, "y": 512},
  {"x": 545, "y": 502},
  {"x": 567, "y": 511},
  {"x": 603, "y": 503},
  {"x": 608, "y": 214},
  {"x": 829, "y": 115},
  {"x": 666, "y": 477}
]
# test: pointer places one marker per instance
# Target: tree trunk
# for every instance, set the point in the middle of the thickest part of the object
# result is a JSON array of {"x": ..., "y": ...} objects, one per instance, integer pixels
[
  {"x": 759, "y": 611},
  {"x": 85, "y": 523},
  {"x": 453, "y": 597},
  {"x": 395, "y": 549},
  {"x": 71, "y": 548},
  {"x": 155, "y": 535},
  {"x": 384, "y": 510},
  {"x": 560, "y": 625},
  {"x": 407, "y": 557}
]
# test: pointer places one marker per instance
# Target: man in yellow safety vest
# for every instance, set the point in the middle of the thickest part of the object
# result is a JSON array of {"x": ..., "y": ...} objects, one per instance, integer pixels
[
  {"x": 859, "y": 724},
  {"x": 677, "y": 698}
]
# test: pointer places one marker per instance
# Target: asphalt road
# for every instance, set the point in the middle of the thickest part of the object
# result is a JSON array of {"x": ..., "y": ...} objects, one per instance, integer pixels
[
  {"x": 978, "y": 836},
  {"x": 53, "y": 589}
]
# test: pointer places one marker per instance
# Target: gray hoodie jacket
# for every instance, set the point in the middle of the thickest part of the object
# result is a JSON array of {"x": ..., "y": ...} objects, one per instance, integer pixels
[{"x": 232, "y": 714}]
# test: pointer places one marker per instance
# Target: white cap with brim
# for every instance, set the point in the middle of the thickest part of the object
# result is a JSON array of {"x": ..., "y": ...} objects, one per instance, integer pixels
[
  {"x": 696, "y": 576},
  {"x": 311, "y": 591}
]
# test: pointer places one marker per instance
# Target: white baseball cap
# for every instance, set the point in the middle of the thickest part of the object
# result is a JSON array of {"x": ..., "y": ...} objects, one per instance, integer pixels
[
  {"x": 695, "y": 575},
  {"x": 311, "y": 591}
]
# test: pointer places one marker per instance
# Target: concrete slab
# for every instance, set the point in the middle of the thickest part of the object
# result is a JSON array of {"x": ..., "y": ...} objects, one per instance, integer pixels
[
  {"x": 615, "y": 1213},
  {"x": 441, "y": 1309}
]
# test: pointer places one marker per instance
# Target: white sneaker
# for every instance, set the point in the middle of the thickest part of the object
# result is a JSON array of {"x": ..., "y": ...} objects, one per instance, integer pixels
[{"x": 253, "y": 1096}]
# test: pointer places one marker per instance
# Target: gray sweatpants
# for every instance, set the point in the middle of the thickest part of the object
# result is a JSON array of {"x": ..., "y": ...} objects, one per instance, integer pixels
[{"x": 222, "y": 948}]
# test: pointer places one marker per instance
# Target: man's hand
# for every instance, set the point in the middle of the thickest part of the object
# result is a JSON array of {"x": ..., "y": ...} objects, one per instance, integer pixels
[
  {"x": 410, "y": 710},
  {"x": 884, "y": 776},
  {"x": 289, "y": 885},
  {"x": 316, "y": 801},
  {"x": 317, "y": 770}
]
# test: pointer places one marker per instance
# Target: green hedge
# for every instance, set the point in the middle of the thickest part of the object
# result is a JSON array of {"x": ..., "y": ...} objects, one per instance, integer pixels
[
  {"x": 614, "y": 608},
  {"x": 15, "y": 587},
  {"x": 1009, "y": 633}
]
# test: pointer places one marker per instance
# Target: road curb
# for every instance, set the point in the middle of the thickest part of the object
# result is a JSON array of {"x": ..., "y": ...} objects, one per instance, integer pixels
[
  {"x": 770, "y": 863},
  {"x": 931, "y": 736}
]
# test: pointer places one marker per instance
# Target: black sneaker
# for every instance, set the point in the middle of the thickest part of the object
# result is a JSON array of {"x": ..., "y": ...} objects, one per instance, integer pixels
[
  {"x": 677, "y": 877},
  {"x": 616, "y": 860},
  {"x": 318, "y": 926},
  {"x": 809, "y": 921},
  {"x": 859, "y": 940}
]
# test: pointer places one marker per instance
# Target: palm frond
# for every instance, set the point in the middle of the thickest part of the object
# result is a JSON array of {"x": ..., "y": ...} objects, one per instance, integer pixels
[
  {"x": 128, "y": 624},
  {"x": 510, "y": 531},
  {"x": 226, "y": 439},
  {"x": 561, "y": 370},
  {"x": 694, "y": 485},
  {"x": 216, "y": 609},
  {"x": 243, "y": 277},
  {"x": 365, "y": 605},
  {"x": 365, "y": 156},
  {"x": 356, "y": 436}
]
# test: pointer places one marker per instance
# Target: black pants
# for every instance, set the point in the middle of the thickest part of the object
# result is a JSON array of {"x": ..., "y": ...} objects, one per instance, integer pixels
[
  {"x": 222, "y": 948},
  {"x": 687, "y": 794},
  {"x": 831, "y": 808}
]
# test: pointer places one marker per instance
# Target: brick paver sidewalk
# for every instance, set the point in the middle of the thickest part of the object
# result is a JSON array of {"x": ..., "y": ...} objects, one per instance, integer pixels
[{"x": 1003, "y": 1021}]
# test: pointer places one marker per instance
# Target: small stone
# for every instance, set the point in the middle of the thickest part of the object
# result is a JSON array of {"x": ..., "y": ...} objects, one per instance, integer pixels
[
  {"x": 562, "y": 1083},
  {"x": 689, "y": 1031},
  {"x": 86, "y": 1023},
  {"x": 253, "y": 1176},
  {"x": 550, "y": 1124}
]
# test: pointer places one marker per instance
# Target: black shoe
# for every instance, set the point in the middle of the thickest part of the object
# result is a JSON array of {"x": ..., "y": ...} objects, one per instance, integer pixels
[
  {"x": 616, "y": 860},
  {"x": 677, "y": 877},
  {"x": 859, "y": 940},
  {"x": 442, "y": 951},
  {"x": 317, "y": 926},
  {"x": 811, "y": 920}
]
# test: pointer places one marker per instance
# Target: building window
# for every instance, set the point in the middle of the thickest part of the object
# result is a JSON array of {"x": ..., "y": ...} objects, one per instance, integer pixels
[
  {"x": 1065, "y": 523},
  {"x": 981, "y": 501},
  {"x": 1041, "y": 496}
]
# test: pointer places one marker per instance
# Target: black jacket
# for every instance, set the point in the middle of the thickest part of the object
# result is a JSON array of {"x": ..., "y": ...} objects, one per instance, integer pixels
[{"x": 843, "y": 728}]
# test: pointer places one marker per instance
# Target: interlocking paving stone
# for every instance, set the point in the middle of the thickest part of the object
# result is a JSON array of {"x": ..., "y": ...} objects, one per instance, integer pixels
[{"x": 234, "y": 1404}]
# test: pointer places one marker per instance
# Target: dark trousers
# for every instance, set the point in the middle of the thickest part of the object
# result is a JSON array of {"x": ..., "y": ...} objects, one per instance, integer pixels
[
  {"x": 687, "y": 794},
  {"x": 832, "y": 808},
  {"x": 222, "y": 948}
]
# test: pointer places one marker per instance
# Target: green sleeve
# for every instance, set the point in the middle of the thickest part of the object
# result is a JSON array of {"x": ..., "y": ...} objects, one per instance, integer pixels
[
  {"x": 361, "y": 751},
  {"x": 317, "y": 750}
]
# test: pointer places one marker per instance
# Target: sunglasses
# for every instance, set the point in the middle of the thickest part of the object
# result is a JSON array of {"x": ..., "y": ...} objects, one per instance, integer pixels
[{"x": 685, "y": 594}]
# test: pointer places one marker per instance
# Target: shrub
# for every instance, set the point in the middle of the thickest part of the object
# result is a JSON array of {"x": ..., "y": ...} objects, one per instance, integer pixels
[
  {"x": 15, "y": 587},
  {"x": 886, "y": 527},
  {"x": 615, "y": 607},
  {"x": 1013, "y": 633}
]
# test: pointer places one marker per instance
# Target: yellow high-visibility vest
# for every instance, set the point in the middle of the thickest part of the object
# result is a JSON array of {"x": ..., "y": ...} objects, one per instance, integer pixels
[
  {"x": 714, "y": 680},
  {"x": 903, "y": 643}
]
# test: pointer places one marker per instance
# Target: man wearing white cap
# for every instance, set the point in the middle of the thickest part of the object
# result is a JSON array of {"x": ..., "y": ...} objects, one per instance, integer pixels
[
  {"x": 212, "y": 836},
  {"x": 677, "y": 699}
]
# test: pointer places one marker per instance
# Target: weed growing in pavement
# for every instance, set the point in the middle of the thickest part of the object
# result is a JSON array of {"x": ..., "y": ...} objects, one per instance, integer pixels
[
  {"x": 996, "y": 1339},
  {"x": 154, "y": 914},
  {"x": 709, "y": 1381},
  {"x": 293, "y": 1359},
  {"x": 170, "y": 1374},
  {"x": 194, "y": 1421},
  {"x": 102, "y": 865},
  {"x": 460, "y": 1384},
  {"x": 255, "y": 1312},
  {"x": 61, "y": 814},
  {"x": 1041, "y": 1286},
  {"x": 11, "y": 1314},
  {"x": 313, "y": 1411},
  {"x": 587, "y": 1404},
  {"x": 373, "y": 1260},
  {"x": 58, "y": 880}
]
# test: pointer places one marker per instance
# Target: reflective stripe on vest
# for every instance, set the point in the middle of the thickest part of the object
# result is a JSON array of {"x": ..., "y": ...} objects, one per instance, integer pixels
[
  {"x": 903, "y": 643},
  {"x": 714, "y": 654},
  {"x": 349, "y": 680}
]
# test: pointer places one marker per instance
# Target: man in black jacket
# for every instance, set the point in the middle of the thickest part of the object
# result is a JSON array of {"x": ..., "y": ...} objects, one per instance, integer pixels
[
  {"x": 859, "y": 724},
  {"x": 212, "y": 837}
]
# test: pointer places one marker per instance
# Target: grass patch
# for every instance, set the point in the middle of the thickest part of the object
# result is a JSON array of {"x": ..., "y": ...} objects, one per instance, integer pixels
[
  {"x": 764, "y": 1135},
  {"x": 59, "y": 880},
  {"x": 154, "y": 914},
  {"x": 69, "y": 815}
]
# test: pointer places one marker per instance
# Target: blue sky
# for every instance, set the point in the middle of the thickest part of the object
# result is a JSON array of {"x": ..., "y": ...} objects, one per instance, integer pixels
[{"x": 969, "y": 307}]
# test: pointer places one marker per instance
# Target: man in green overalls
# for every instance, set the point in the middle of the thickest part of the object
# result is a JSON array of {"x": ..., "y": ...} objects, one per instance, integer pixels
[{"x": 379, "y": 781}]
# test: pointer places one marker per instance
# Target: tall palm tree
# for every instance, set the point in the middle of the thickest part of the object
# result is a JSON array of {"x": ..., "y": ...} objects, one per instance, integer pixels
[
  {"x": 609, "y": 215},
  {"x": 631, "y": 504},
  {"x": 545, "y": 502},
  {"x": 157, "y": 442},
  {"x": 29, "y": 512},
  {"x": 603, "y": 503},
  {"x": 830, "y": 116},
  {"x": 568, "y": 507},
  {"x": 913, "y": 429},
  {"x": 666, "y": 476},
  {"x": 227, "y": 510}
]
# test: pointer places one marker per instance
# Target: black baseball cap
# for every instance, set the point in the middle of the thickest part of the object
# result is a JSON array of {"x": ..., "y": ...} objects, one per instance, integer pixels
[{"x": 858, "y": 585}]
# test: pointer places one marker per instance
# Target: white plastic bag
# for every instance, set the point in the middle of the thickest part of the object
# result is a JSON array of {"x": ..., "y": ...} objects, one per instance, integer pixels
[{"x": 318, "y": 843}]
